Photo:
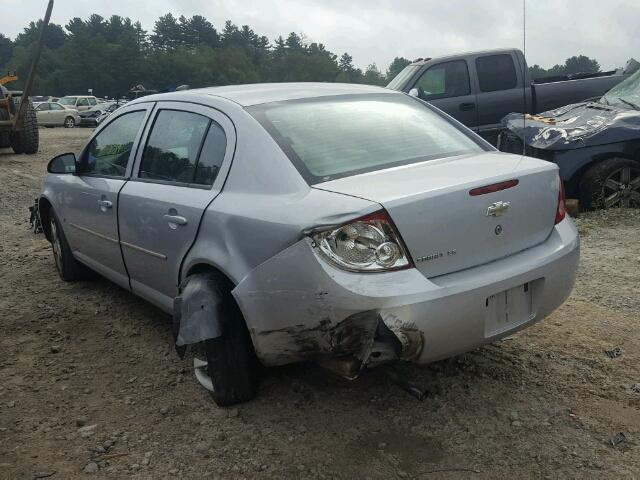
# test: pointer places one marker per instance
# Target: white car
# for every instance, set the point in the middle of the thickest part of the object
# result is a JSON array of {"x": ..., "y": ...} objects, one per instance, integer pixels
[
  {"x": 79, "y": 102},
  {"x": 53, "y": 114}
]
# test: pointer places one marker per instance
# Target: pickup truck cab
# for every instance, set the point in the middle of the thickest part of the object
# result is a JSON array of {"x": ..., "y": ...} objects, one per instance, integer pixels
[{"x": 480, "y": 88}]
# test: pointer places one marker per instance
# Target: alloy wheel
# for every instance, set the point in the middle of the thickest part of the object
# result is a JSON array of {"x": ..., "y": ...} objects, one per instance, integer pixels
[
  {"x": 69, "y": 123},
  {"x": 622, "y": 188}
]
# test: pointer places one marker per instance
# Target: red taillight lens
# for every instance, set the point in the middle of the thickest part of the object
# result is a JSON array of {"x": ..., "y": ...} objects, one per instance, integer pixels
[
  {"x": 494, "y": 187},
  {"x": 367, "y": 244},
  {"x": 561, "y": 212}
]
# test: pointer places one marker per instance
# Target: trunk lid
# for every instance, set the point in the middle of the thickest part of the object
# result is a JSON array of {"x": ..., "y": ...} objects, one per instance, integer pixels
[{"x": 445, "y": 228}]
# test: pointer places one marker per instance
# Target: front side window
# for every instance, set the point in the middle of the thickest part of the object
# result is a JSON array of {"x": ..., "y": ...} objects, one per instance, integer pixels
[
  {"x": 496, "y": 72},
  {"x": 445, "y": 80},
  {"x": 328, "y": 138},
  {"x": 43, "y": 106},
  {"x": 55, "y": 106},
  {"x": 173, "y": 147},
  {"x": 109, "y": 151}
]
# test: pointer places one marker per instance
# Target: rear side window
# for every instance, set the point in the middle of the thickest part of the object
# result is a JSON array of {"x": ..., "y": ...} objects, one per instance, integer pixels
[
  {"x": 450, "y": 79},
  {"x": 173, "y": 148},
  {"x": 212, "y": 155},
  {"x": 109, "y": 151},
  {"x": 496, "y": 72}
]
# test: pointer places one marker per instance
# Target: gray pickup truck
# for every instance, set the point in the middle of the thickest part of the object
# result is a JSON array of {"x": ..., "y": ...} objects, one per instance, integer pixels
[{"x": 480, "y": 88}]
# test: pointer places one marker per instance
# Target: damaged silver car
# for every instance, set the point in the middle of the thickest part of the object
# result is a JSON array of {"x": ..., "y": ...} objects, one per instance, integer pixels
[{"x": 345, "y": 224}]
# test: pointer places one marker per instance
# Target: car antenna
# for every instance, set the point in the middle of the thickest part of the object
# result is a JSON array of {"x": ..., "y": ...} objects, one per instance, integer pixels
[{"x": 524, "y": 76}]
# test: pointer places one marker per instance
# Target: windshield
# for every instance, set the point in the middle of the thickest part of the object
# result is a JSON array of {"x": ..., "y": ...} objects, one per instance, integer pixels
[
  {"x": 626, "y": 94},
  {"x": 67, "y": 101},
  {"x": 335, "y": 137},
  {"x": 399, "y": 80}
]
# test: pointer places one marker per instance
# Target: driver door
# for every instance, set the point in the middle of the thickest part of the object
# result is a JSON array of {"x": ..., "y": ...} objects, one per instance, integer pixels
[{"x": 90, "y": 219}]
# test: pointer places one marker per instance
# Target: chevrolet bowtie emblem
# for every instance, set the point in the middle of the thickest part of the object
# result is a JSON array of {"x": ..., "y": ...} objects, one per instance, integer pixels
[{"x": 498, "y": 208}]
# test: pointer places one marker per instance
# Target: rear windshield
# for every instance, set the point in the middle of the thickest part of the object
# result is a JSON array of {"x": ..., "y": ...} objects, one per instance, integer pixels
[
  {"x": 68, "y": 100},
  {"x": 336, "y": 137}
]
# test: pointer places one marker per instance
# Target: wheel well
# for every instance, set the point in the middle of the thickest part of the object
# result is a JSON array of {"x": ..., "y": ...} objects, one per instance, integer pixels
[
  {"x": 44, "y": 210},
  {"x": 572, "y": 186},
  {"x": 206, "y": 268}
]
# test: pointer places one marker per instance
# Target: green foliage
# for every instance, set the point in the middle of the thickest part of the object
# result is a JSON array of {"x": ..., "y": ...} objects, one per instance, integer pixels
[
  {"x": 396, "y": 66},
  {"x": 573, "y": 65}
]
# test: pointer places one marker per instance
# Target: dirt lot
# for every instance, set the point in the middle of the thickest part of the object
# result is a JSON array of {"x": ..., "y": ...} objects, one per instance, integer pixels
[{"x": 89, "y": 380}]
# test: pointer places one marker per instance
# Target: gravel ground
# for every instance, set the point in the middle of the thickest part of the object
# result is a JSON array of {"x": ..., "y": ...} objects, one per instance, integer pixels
[{"x": 90, "y": 384}]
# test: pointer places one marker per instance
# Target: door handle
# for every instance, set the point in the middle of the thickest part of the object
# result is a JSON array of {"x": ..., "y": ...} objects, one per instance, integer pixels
[
  {"x": 467, "y": 106},
  {"x": 175, "y": 220},
  {"x": 104, "y": 204}
]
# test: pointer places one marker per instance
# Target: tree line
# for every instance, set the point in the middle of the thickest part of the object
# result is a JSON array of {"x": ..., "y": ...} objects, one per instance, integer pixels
[{"x": 111, "y": 55}]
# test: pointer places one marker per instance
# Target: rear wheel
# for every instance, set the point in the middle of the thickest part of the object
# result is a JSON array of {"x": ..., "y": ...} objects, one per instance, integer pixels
[
  {"x": 614, "y": 182},
  {"x": 27, "y": 139},
  {"x": 232, "y": 366},
  {"x": 69, "y": 122}
]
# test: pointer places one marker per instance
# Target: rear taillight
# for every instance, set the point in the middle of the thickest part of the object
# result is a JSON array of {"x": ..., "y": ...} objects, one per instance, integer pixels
[
  {"x": 367, "y": 244},
  {"x": 561, "y": 211}
]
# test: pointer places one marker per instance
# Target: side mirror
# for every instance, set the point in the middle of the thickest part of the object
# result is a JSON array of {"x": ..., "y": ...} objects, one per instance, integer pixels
[
  {"x": 62, "y": 164},
  {"x": 414, "y": 92}
]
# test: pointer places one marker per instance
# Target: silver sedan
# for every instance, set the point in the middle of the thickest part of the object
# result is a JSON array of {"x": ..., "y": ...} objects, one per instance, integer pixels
[
  {"x": 53, "y": 114},
  {"x": 345, "y": 224}
]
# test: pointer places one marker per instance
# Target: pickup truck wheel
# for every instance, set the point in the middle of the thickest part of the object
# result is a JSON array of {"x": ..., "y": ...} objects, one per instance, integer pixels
[
  {"x": 614, "y": 182},
  {"x": 67, "y": 266},
  {"x": 231, "y": 361},
  {"x": 5, "y": 141}
]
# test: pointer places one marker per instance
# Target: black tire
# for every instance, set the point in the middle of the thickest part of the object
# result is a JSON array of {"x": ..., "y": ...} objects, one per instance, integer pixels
[
  {"x": 27, "y": 139},
  {"x": 231, "y": 361},
  {"x": 67, "y": 266},
  {"x": 614, "y": 182},
  {"x": 5, "y": 140},
  {"x": 69, "y": 122}
]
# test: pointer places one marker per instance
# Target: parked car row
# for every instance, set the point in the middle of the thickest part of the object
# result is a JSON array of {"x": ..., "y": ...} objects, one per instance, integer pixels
[{"x": 75, "y": 110}]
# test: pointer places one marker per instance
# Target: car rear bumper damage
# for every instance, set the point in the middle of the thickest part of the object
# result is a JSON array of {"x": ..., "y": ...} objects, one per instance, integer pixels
[{"x": 298, "y": 307}]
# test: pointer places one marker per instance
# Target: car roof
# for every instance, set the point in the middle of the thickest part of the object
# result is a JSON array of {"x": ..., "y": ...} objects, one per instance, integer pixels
[{"x": 258, "y": 93}]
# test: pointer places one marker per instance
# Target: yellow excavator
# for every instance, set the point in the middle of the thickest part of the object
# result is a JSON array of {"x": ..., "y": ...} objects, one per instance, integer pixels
[{"x": 18, "y": 122}]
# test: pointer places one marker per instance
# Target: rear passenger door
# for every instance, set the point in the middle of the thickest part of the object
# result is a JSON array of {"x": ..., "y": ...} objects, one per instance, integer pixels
[
  {"x": 499, "y": 89},
  {"x": 178, "y": 173},
  {"x": 43, "y": 113},
  {"x": 447, "y": 86},
  {"x": 58, "y": 114}
]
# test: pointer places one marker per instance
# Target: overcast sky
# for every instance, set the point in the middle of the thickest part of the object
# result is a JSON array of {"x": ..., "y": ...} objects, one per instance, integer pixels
[{"x": 378, "y": 30}]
